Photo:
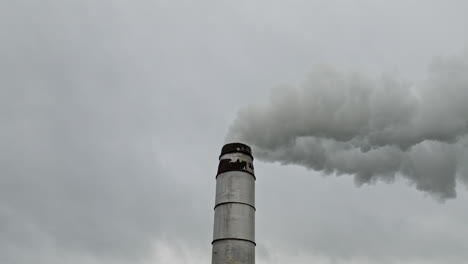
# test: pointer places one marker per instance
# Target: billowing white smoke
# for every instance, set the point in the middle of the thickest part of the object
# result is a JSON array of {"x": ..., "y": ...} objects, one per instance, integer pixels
[{"x": 346, "y": 123}]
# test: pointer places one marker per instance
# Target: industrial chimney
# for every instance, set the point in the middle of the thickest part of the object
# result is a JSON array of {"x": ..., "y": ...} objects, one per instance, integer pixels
[{"x": 234, "y": 221}]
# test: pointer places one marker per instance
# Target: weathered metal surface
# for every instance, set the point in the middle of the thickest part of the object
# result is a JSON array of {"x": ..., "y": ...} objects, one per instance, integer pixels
[
  {"x": 236, "y": 162},
  {"x": 233, "y": 252},
  {"x": 234, "y": 223},
  {"x": 235, "y": 186},
  {"x": 236, "y": 148}
]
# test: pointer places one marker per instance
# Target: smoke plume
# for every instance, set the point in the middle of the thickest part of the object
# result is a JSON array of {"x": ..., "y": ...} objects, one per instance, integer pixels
[{"x": 375, "y": 129}]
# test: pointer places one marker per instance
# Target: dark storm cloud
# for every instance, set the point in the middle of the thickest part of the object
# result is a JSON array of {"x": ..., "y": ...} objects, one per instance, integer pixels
[{"x": 349, "y": 124}]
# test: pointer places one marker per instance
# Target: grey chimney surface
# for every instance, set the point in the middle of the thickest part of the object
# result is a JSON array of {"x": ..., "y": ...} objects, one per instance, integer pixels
[{"x": 234, "y": 220}]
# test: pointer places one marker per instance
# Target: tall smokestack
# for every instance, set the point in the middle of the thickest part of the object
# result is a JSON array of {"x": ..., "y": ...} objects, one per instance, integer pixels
[{"x": 234, "y": 221}]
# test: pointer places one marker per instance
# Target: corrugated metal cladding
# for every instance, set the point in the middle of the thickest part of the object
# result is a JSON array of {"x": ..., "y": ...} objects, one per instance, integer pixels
[{"x": 234, "y": 221}]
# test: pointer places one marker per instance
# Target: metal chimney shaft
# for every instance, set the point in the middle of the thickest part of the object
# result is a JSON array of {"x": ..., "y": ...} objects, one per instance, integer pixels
[{"x": 234, "y": 221}]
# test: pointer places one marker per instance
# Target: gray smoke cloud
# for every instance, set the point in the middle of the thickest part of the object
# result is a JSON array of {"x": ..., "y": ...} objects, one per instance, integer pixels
[{"x": 373, "y": 128}]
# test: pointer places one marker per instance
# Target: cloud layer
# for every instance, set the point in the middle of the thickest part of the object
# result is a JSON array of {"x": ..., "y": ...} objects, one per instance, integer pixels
[{"x": 113, "y": 113}]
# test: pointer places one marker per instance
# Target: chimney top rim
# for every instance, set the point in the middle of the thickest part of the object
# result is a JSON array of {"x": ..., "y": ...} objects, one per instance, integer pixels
[{"x": 236, "y": 147}]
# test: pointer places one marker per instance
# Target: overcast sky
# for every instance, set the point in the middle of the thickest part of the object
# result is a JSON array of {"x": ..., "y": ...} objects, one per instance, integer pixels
[{"x": 113, "y": 114}]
